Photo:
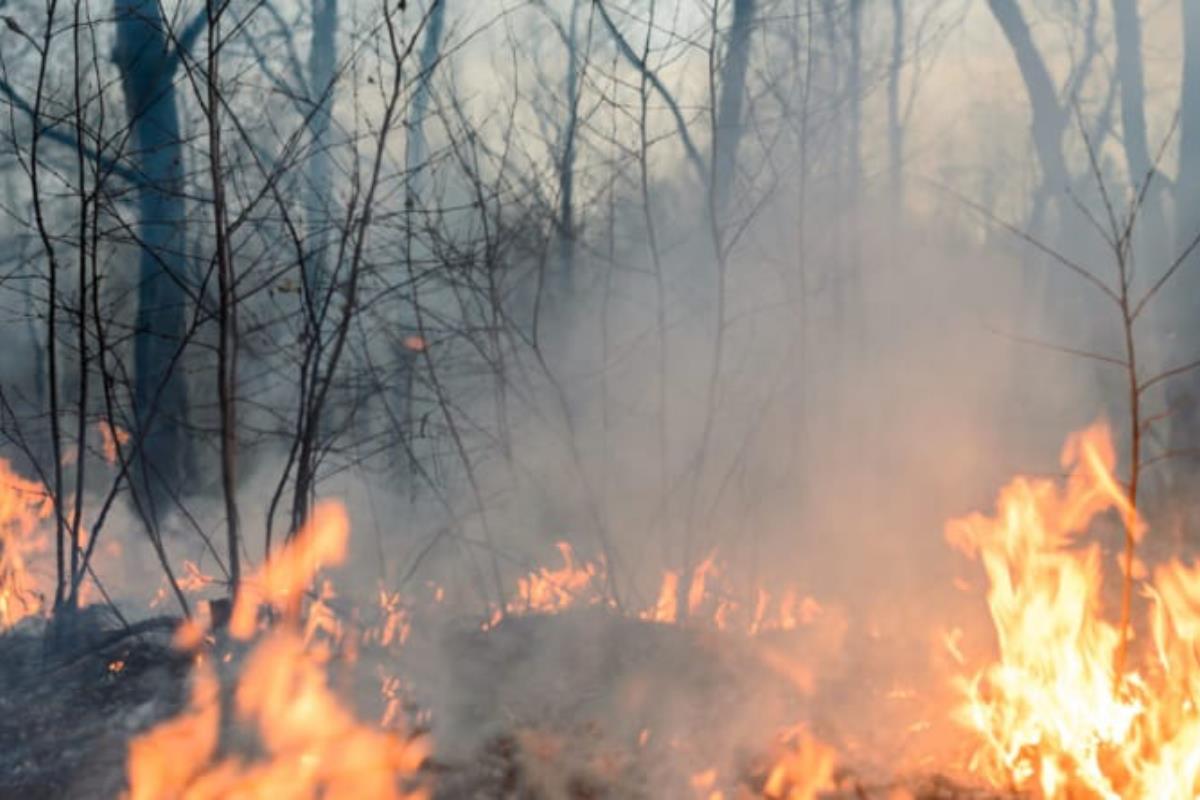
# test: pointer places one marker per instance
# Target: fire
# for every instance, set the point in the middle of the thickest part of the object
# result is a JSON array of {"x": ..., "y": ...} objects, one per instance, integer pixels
[
  {"x": 112, "y": 437},
  {"x": 163, "y": 762},
  {"x": 283, "y": 579},
  {"x": 311, "y": 745},
  {"x": 664, "y": 609},
  {"x": 804, "y": 769},
  {"x": 24, "y": 506},
  {"x": 396, "y": 621},
  {"x": 709, "y": 597},
  {"x": 191, "y": 580},
  {"x": 1052, "y": 715},
  {"x": 553, "y": 590}
]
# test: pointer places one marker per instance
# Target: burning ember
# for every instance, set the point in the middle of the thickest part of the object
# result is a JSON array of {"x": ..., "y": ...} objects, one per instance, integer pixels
[{"x": 1053, "y": 715}]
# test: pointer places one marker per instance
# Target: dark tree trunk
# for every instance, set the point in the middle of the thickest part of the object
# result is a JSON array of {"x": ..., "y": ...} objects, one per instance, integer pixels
[
  {"x": 566, "y": 195},
  {"x": 430, "y": 50},
  {"x": 728, "y": 131},
  {"x": 147, "y": 68},
  {"x": 322, "y": 72}
]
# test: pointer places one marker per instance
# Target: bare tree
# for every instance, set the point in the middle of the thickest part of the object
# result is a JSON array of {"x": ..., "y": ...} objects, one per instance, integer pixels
[{"x": 1049, "y": 116}]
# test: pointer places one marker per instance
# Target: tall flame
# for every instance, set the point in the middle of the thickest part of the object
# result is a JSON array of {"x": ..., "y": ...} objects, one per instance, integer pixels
[{"x": 1052, "y": 715}]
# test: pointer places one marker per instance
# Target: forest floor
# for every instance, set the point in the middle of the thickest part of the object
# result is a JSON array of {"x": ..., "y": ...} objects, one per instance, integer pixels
[
  {"x": 573, "y": 706},
  {"x": 66, "y": 716}
]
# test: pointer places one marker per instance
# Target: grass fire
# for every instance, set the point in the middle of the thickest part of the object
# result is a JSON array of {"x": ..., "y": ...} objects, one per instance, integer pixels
[{"x": 600, "y": 400}]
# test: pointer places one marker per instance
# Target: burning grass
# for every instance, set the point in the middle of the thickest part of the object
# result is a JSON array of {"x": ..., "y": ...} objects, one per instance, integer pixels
[
  {"x": 1054, "y": 713},
  {"x": 705, "y": 693},
  {"x": 311, "y": 746}
]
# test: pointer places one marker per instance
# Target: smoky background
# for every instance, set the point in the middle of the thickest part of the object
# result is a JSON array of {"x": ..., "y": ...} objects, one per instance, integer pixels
[{"x": 661, "y": 280}]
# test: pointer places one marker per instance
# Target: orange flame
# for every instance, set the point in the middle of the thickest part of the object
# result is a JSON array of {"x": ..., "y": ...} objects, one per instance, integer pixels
[
  {"x": 664, "y": 609},
  {"x": 548, "y": 590},
  {"x": 1051, "y": 714},
  {"x": 164, "y": 760},
  {"x": 709, "y": 599},
  {"x": 112, "y": 436},
  {"x": 282, "y": 579},
  {"x": 312, "y": 746},
  {"x": 24, "y": 505},
  {"x": 804, "y": 769},
  {"x": 696, "y": 591}
]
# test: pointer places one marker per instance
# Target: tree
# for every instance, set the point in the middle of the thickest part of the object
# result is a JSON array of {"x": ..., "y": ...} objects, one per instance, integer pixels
[
  {"x": 1049, "y": 117},
  {"x": 322, "y": 79},
  {"x": 727, "y": 132},
  {"x": 148, "y": 63}
]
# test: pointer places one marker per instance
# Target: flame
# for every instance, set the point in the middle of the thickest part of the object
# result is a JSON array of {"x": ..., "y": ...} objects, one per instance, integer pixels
[
  {"x": 396, "y": 624},
  {"x": 191, "y": 580},
  {"x": 804, "y": 769},
  {"x": 709, "y": 598},
  {"x": 1051, "y": 714},
  {"x": 696, "y": 590},
  {"x": 283, "y": 578},
  {"x": 24, "y": 505},
  {"x": 162, "y": 761},
  {"x": 311, "y": 745},
  {"x": 664, "y": 609},
  {"x": 703, "y": 783},
  {"x": 548, "y": 590},
  {"x": 112, "y": 436}
]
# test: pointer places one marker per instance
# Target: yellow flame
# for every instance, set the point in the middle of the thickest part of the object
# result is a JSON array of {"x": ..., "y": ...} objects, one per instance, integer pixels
[{"x": 1051, "y": 715}]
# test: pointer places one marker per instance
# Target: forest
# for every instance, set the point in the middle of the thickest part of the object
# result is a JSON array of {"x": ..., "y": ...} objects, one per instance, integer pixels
[{"x": 540, "y": 399}]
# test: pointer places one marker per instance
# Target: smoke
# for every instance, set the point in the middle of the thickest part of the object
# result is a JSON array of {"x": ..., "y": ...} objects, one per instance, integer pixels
[{"x": 803, "y": 387}]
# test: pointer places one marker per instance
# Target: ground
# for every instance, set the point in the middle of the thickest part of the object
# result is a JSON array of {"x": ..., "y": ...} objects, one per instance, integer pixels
[{"x": 575, "y": 706}]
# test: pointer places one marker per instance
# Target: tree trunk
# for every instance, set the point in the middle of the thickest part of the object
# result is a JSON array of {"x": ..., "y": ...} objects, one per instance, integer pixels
[
  {"x": 1049, "y": 117},
  {"x": 1183, "y": 319},
  {"x": 322, "y": 72},
  {"x": 147, "y": 72},
  {"x": 895, "y": 126},
  {"x": 430, "y": 49},
  {"x": 566, "y": 182},
  {"x": 1152, "y": 226},
  {"x": 728, "y": 131}
]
